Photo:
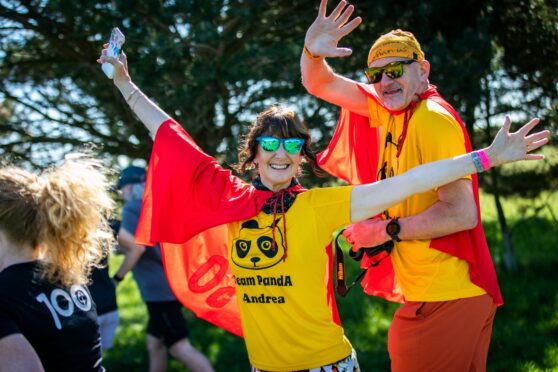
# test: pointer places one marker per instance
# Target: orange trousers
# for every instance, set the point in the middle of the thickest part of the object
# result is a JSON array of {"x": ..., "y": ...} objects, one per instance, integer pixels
[{"x": 447, "y": 336}]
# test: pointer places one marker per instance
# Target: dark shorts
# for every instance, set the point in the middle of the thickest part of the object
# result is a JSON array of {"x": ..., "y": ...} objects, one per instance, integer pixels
[{"x": 166, "y": 322}]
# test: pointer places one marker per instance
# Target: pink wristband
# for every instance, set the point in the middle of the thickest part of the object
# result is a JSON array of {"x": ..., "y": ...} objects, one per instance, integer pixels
[{"x": 485, "y": 161}]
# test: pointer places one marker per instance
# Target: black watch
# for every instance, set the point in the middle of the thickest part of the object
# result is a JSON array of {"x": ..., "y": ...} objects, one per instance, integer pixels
[{"x": 393, "y": 228}]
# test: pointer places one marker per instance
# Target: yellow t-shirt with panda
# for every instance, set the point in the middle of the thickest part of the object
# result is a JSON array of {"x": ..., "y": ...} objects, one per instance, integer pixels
[
  {"x": 423, "y": 273},
  {"x": 286, "y": 318}
]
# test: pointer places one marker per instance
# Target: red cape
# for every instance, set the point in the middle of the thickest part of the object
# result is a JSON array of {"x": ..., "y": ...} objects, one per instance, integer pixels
[
  {"x": 357, "y": 164},
  {"x": 191, "y": 217},
  {"x": 188, "y": 201}
]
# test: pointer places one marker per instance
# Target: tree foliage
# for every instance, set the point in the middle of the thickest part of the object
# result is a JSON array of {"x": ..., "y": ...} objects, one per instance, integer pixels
[{"x": 214, "y": 64}]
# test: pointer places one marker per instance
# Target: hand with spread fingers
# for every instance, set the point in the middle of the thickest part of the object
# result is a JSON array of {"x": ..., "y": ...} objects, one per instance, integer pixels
[
  {"x": 324, "y": 34},
  {"x": 508, "y": 147}
]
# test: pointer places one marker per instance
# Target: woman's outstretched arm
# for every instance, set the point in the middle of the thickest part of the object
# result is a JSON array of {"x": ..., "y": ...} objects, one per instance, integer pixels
[
  {"x": 146, "y": 110},
  {"x": 371, "y": 199}
]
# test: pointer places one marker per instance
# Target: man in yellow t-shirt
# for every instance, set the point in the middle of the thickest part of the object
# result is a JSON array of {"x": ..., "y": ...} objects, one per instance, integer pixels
[{"x": 441, "y": 261}]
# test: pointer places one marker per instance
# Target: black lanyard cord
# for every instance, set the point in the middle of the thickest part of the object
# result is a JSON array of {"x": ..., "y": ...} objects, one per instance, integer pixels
[{"x": 375, "y": 255}]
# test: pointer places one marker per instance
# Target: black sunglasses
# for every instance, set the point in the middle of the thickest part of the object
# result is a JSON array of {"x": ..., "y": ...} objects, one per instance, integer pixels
[{"x": 393, "y": 70}]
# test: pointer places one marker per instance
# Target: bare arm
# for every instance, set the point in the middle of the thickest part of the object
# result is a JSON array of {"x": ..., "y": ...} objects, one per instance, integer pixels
[
  {"x": 17, "y": 354},
  {"x": 454, "y": 211},
  {"x": 132, "y": 252},
  {"x": 321, "y": 41},
  {"x": 371, "y": 199},
  {"x": 146, "y": 110}
]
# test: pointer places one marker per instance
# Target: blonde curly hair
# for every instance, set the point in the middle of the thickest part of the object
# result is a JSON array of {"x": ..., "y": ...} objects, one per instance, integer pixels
[{"x": 62, "y": 214}]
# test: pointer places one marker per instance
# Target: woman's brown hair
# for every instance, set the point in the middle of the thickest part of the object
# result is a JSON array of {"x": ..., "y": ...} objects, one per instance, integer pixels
[
  {"x": 283, "y": 123},
  {"x": 62, "y": 214}
]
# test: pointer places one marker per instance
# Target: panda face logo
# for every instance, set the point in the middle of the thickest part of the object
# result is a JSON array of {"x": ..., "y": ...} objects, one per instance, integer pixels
[{"x": 255, "y": 249}]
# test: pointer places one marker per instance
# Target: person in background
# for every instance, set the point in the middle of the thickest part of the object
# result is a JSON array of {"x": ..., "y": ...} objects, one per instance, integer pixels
[
  {"x": 167, "y": 331},
  {"x": 53, "y": 231},
  {"x": 103, "y": 292}
]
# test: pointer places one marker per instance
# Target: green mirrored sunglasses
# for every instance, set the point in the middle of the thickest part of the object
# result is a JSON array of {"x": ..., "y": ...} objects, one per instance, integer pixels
[
  {"x": 271, "y": 144},
  {"x": 392, "y": 70}
]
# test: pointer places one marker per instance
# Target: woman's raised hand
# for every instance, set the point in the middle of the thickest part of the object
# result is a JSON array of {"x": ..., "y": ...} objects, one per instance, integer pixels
[
  {"x": 120, "y": 65},
  {"x": 146, "y": 110},
  {"x": 509, "y": 147},
  {"x": 324, "y": 34}
]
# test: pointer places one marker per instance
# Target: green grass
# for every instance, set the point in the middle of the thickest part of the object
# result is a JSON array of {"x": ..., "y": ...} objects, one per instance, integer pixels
[{"x": 525, "y": 335}]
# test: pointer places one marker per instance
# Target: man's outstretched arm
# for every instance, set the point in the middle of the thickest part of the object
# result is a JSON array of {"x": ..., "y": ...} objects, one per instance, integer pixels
[{"x": 454, "y": 211}]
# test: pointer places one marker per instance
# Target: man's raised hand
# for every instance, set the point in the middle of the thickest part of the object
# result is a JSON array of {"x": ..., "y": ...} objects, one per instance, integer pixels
[{"x": 324, "y": 34}]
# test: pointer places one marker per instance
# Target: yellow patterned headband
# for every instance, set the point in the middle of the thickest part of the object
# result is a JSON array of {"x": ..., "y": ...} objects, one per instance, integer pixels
[{"x": 396, "y": 43}]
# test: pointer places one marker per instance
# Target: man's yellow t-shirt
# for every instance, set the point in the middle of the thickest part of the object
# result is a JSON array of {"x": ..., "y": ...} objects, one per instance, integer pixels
[
  {"x": 286, "y": 318},
  {"x": 424, "y": 273}
]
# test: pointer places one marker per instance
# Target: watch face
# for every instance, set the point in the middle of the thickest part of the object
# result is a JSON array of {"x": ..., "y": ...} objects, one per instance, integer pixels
[{"x": 393, "y": 228}]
